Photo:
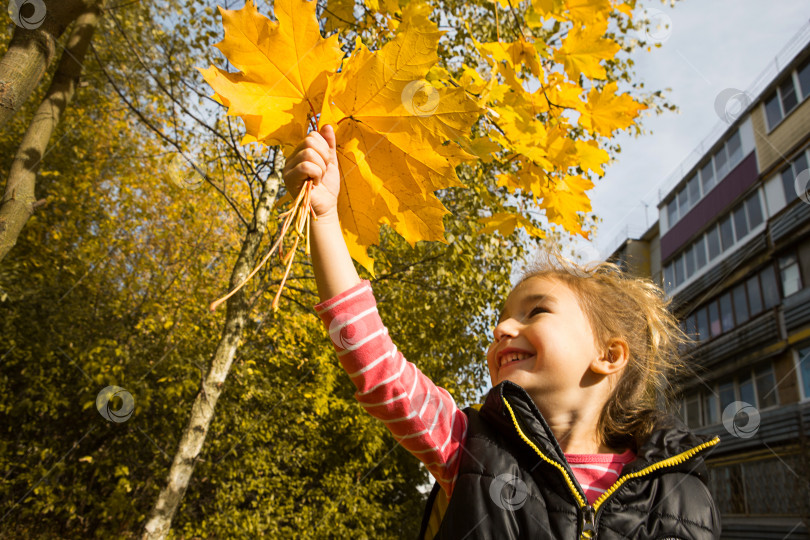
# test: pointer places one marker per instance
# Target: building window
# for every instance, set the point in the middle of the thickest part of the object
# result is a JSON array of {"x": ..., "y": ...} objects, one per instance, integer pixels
[
  {"x": 693, "y": 187},
  {"x": 710, "y": 413},
  {"x": 700, "y": 252},
  {"x": 703, "y": 325},
  {"x": 804, "y": 370},
  {"x": 770, "y": 291},
  {"x": 740, "y": 222},
  {"x": 713, "y": 239},
  {"x": 789, "y": 175},
  {"x": 693, "y": 411},
  {"x": 754, "y": 209},
  {"x": 707, "y": 177},
  {"x": 672, "y": 212},
  {"x": 804, "y": 78},
  {"x": 746, "y": 388},
  {"x": 734, "y": 148},
  {"x": 790, "y": 274},
  {"x": 785, "y": 98},
  {"x": 669, "y": 277},
  {"x": 787, "y": 92},
  {"x": 754, "y": 295},
  {"x": 726, "y": 233},
  {"x": 764, "y": 486},
  {"x": 740, "y": 303},
  {"x": 721, "y": 162},
  {"x": 693, "y": 257},
  {"x": 679, "y": 271},
  {"x": 772, "y": 110},
  {"x": 726, "y": 314},
  {"x": 782, "y": 102},
  {"x": 714, "y": 319},
  {"x": 766, "y": 387},
  {"x": 726, "y": 394},
  {"x": 683, "y": 203},
  {"x": 689, "y": 258}
]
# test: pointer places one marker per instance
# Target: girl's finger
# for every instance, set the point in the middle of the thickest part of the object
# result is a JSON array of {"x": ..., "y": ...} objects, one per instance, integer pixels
[
  {"x": 305, "y": 154},
  {"x": 320, "y": 145},
  {"x": 312, "y": 155},
  {"x": 307, "y": 170}
]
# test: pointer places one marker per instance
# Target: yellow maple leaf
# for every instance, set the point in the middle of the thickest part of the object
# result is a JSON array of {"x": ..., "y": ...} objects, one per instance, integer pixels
[
  {"x": 578, "y": 11},
  {"x": 283, "y": 70},
  {"x": 605, "y": 112},
  {"x": 513, "y": 55},
  {"x": 339, "y": 15},
  {"x": 565, "y": 199},
  {"x": 562, "y": 93},
  {"x": 587, "y": 10},
  {"x": 625, "y": 8},
  {"x": 548, "y": 7},
  {"x": 591, "y": 157},
  {"x": 506, "y": 223},
  {"x": 384, "y": 6},
  {"x": 584, "y": 48},
  {"x": 395, "y": 135},
  {"x": 483, "y": 148}
]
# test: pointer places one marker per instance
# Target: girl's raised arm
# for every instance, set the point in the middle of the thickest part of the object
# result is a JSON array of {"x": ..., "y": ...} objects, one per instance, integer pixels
[{"x": 422, "y": 416}]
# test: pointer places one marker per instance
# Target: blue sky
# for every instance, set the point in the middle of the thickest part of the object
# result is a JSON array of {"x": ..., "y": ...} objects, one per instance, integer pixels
[{"x": 712, "y": 45}]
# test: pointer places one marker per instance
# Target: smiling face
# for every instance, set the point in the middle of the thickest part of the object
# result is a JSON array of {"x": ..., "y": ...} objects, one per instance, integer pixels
[{"x": 544, "y": 343}]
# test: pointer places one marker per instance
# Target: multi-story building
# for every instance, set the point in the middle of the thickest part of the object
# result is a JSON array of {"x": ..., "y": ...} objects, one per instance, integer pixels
[{"x": 732, "y": 249}]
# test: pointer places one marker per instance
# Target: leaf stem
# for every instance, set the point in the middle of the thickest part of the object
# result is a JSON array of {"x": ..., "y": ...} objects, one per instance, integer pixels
[{"x": 298, "y": 217}]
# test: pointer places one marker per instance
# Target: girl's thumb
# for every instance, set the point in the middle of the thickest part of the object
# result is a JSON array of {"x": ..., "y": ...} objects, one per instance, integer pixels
[{"x": 328, "y": 133}]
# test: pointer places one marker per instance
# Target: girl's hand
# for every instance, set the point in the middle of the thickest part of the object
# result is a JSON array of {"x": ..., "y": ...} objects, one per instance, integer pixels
[{"x": 315, "y": 158}]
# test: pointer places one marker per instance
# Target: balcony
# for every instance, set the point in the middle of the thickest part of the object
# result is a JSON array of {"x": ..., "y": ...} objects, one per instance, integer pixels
[
  {"x": 738, "y": 342},
  {"x": 789, "y": 220},
  {"x": 779, "y": 425},
  {"x": 796, "y": 308},
  {"x": 713, "y": 279}
]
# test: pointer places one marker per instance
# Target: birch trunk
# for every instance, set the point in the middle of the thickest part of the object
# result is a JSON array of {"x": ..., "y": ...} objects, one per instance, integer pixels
[
  {"x": 31, "y": 51},
  {"x": 202, "y": 411},
  {"x": 19, "y": 201}
]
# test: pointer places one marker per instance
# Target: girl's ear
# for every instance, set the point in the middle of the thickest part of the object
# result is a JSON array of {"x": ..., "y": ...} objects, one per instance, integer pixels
[{"x": 615, "y": 357}]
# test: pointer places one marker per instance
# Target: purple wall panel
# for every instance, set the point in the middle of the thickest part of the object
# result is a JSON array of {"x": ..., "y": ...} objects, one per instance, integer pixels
[{"x": 743, "y": 176}]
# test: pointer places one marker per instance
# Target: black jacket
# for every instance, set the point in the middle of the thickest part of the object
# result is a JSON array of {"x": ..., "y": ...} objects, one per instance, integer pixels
[{"x": 514, "y": 482}]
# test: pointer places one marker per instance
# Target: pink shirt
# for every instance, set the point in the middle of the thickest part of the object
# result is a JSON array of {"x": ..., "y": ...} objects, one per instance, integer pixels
[{"x": 422, "y": 417}]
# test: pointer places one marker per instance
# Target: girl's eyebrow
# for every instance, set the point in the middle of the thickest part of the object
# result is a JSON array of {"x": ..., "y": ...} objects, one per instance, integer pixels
[{"x": 531, "y": 299}]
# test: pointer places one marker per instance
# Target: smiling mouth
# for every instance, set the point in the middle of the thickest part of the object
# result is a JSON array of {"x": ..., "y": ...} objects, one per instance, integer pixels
[{"x": 511, "y": 358}]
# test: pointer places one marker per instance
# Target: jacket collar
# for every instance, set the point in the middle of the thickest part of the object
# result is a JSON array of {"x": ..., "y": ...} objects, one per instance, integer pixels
[{"x": 669, "y": 438}]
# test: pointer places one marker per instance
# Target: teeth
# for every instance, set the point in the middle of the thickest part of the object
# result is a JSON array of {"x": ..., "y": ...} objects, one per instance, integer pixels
[{"x": 513, "y": 356}]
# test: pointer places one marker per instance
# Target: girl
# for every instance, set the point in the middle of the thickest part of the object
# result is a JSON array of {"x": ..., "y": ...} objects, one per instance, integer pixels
[{"x": 569, "y": 442}]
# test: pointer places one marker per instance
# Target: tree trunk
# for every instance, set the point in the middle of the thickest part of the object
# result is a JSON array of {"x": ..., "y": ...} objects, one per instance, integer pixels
[
  {"x": 31, "y": 51},
  {"x": 19, "y": 200},
  {"x": 202, "y": 411}
]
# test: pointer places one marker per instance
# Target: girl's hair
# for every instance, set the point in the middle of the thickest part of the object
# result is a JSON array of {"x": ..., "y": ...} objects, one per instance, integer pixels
[{"x": 637, "y": 310}]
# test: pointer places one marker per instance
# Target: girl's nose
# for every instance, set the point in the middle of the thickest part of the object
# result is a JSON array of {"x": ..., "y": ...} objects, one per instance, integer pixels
[{"x": 507, "y": 328}]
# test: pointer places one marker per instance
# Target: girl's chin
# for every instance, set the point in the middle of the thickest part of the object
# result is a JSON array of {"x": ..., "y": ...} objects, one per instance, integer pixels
[{"x": 517, "y": 376}]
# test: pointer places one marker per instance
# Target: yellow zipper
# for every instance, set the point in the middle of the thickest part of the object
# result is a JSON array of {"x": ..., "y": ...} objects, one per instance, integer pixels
[
  {"x": 568, "y": 480},
  {"x": 674, "y": 460}
]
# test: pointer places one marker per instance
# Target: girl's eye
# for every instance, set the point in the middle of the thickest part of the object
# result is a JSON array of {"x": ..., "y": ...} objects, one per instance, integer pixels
[{"x": 537, "y": 310}]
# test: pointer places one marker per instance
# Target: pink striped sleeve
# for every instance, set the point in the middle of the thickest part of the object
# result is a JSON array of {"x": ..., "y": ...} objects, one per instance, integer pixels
[{"x": 422, "y": 416}]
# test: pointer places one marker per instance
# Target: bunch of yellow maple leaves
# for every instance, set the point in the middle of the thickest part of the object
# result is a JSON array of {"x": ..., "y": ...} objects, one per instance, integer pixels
[{"x": 400, "y": 137}]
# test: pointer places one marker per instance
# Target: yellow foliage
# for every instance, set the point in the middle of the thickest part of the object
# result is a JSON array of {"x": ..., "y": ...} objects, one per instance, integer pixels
[
  {"x": 584, "y": 48},
  {"x": 275, "y": 91},
  {"x": 402, "y": 121},
  {"x": 604, "y": 111}
]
